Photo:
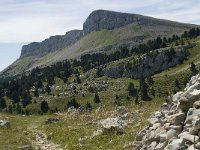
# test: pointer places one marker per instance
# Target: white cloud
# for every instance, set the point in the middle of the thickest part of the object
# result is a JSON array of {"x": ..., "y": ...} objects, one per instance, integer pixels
[{"x": 35, "y": 20}]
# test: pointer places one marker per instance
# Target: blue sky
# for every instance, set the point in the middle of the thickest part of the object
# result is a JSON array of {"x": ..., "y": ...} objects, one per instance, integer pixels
[{"x": 24, "y": 21}]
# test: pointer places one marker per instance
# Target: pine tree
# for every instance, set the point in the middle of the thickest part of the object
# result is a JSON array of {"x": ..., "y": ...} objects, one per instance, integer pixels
[
  {"x": 48, "y": 89},
  {"x": 143, "y": 89},
  {"x": 44, "y": 106},
  {"x": 2, "y": 103},
  {"x": 26, "y": 99},
  {"x": 18, "y": 108},
  {"x": 36, "y": 93},
  {"x": 96, "y": 98},
  {"x": 193, "y": 69},
  {"x": 131, "y": 89},
  {"x": 88, "y": 105}
]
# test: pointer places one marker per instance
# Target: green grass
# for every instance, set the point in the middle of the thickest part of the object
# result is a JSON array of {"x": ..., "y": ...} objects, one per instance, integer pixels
[
  {"x": 98, "y": 39},
  {"x": 20, "y": 132}
]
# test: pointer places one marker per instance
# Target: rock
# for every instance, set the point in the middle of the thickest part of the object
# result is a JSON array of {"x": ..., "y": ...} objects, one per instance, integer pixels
[
  {"x": 196, "y": 124},
  {"x": 171, "y": 134},
  {"x": 176, "y": 119},
  {"x": 152, "y": 146},
  {"x": 154, "y": 135},
  {"x": 161, "y": 146},
  {"x": 113, "y": 125},
  {"x": 178, "y": 128},
  {"x": 153, "y": 121},
  {"x": 176, "y": 96},
  {"x": 165, "y": 108},
  {"x": 156, "y": 117},
  {"x": 141, "y": 134},
  {"x": 196, "y": 104},
  {"x": 192, "y": 147},
  {"x": 176, "y": 144},
  {"x": 188, "y": 137},
  {"x": 175, "y": 129},
  {"x": 163, "y": 137},
  {"x": 184, "y": 104},
  {"x": 51, "y": 120},
  {"x": 192, "y": 114},
  {"x": 137, "y": 145},
  {"x": 122, "y": 110},
  {"x": 197, "y": 145},
  {"x": 4, "y": 123}
]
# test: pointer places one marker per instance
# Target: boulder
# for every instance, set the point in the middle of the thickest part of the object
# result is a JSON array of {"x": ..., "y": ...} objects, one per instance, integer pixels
[
  {"x": 184, "y": 104},
  {"x": 176, "y": 119},
  {"x": 192, "y": 147},
  {"x": 178, "y": 128},
  {"x": 196, "y": 104},
  {"x": 188, "y": 137},
  {"x": 176, "y": 144},
  {"x": 141, "y": 134},
  {"x": 153, "y": 121},
  {"x": 152, "y": 146},
  {"x": 196, "y": 124},
  {"x": 192, "y": 114},
  {"x": 161, "y": 146},
  {"x": 171, "y": 134},
  {"x": 165, "y": 108},
  {"x": 113, "y": 125},
  {"x": 197, "y": 145},
  {"x": 122, "y": 110},
  {"x": 176, "y": 96},
  {"x": 156, "y": 117},
  {"x": 137, "y": 145},
  {"x": 4, "y": 124}
]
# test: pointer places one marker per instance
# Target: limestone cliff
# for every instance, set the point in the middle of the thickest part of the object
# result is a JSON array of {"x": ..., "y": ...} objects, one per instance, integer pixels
[
  {"x": 148, "y": 64},
  {"x": 104, "y": 19},
  {"x": 52, "y": 44}
]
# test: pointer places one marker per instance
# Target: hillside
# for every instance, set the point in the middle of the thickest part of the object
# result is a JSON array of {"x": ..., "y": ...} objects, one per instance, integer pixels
[
  {"x": 102, "y": 31},
  {"x": 96, "y": 88}
]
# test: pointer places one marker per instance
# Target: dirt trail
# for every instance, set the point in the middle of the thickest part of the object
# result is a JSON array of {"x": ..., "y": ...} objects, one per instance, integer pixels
[{"x": 42, "y": 142}]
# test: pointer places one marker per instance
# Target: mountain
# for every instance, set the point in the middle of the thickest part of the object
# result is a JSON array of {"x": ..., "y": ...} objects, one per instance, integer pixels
[
  {"x": 102, "y": 31},
  {"x": 106, "y": 94}
]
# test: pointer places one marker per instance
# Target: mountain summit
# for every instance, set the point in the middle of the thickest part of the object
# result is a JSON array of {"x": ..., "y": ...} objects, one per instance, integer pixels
[
  {"x": 104, "y": 19},
  {"x": 102, "y": 31}
]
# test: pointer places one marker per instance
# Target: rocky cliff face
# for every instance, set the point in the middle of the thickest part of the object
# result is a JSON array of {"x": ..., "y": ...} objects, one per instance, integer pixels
[
  {"x": 177, "y": 125},
  {"x": 97, "y": 20},
  {"x": 103, "y": 19},
  {"x": 52, "y": 44},
  {"x": 148, "y": 64}
]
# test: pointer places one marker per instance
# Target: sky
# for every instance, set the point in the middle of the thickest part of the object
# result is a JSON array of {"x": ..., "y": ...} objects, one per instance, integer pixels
[{"x": 25, "y": 21}]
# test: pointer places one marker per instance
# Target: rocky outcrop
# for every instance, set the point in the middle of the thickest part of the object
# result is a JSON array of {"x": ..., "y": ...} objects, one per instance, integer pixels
[
  {"x": 176, "y": 126},
  {"x": 4, "y": 124},
  {"x": 104, "y": 19},
  {"x": 148, "y": 64},
  {"x": 54, "y": 43}
]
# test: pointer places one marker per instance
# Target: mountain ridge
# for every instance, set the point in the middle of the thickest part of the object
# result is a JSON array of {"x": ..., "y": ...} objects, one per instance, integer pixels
[
  {"x": 98, "y": 35},
  {"x": 96, "y": 21}
]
